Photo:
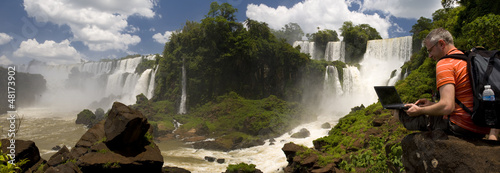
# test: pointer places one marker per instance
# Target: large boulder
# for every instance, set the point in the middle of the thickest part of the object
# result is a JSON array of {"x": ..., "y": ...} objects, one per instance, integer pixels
[
  {"x": 23, "y": 150},
  {"x": 125, "y": 129},
  {"x": 437, "y": 152}
]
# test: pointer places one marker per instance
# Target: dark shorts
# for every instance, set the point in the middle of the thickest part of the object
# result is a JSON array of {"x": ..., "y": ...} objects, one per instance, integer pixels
[{"x": 429, "y": 123}]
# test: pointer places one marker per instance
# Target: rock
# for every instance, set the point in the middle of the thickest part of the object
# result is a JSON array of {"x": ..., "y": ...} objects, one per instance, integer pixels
[
  {"x": 221, "y": 161},
  {"x": 168, "y": 169},
  {"x": 86, "y": 117},
  {"x": 60, "y": 157},
  {"x": 23, "y": 150},
  {"x": 118, "y": 144},
  {"x": 99, "y": 114},
  {"x": 210, "y": 159},
  {"x": 303, "y": 133},
  {"x": 326, "y": 126},
  {"x": 436, "y": 152},
  {"x": 307, "y": 163},
  {"x": 68, "y": 167},
  {"x": 125, "y": 129},
  {"x": 378, "y": 122},
  {"x": 56, "y": 148}
]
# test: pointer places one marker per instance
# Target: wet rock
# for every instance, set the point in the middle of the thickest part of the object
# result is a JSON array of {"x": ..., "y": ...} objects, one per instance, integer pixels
[
  {"x": 221, "y": 161},
  {"x": 303, "y": 133},
  {"x": 326, "y": 126},
  {"x": 210, "y": 159},
  {"x": 86, "y": 117},
  {"x": 56, "y": 148},
  {"x": 436, "y": 152}
]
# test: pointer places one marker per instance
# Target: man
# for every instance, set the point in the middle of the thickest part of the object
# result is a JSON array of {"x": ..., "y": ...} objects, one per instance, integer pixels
[{"x": 452, "y": 80}]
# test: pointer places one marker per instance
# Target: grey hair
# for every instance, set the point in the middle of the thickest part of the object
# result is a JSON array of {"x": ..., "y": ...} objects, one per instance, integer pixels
[{"x": 439, "y": 34}]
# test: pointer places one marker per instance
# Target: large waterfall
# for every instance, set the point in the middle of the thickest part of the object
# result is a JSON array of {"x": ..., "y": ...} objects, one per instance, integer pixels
[
  {"x": 94, "y": 84},
  {"x": 381, "y": 58}
]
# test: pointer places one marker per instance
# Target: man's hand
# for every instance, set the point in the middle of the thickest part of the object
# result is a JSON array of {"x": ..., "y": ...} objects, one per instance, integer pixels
[
  {"x": 424, "y": 102},
  {"x": 413, "y": 110}
]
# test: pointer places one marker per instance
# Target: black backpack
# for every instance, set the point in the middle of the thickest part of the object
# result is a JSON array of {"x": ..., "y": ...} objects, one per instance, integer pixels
[{"x": 483, "y": 67}]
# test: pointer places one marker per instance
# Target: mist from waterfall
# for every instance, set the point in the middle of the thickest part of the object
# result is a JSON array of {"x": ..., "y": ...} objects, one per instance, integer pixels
[{"x": 93, "y": 84}]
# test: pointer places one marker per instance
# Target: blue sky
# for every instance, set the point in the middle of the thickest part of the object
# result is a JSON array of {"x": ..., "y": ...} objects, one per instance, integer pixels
[{"x": 66, "y": 31}]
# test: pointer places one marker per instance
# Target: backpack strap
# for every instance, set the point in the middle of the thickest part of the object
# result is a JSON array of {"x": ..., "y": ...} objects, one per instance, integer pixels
[{"x": 467, "y": 59}]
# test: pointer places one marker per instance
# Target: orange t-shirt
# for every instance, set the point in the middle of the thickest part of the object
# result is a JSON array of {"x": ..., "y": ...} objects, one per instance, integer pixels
[{"x": 454, "y": 71}]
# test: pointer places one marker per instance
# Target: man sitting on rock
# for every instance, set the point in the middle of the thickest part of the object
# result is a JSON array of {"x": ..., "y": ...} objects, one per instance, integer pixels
[{"x": 452, "y": 81}]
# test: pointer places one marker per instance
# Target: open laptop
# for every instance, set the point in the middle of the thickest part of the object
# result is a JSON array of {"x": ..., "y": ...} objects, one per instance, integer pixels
[{"x": 389, "y": 97}]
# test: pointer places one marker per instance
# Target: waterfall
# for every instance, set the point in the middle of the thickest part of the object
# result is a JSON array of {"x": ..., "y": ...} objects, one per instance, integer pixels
[
  {"x": 94, "y": 83},
  {"x": 332, "y": 82},
  {"x": 382, "y": 57},
  {"x": 306, "y": 47},
  {"x": 335, "y": 51},
  {"x": 182, "y": 106}
]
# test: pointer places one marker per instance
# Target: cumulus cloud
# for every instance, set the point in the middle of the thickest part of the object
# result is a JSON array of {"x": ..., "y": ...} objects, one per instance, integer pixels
[
  {"x": 403, "y": 9},
  {"x": 4, "y": 38},
  {"x": 49, "y": 51},
  {"x": 331, "y": 14},
  {"x": 311, "y": 14},
  {"x": 162, "y": 38},
  {"x": 4, "y": 61},
  {"x": 100, "y": 25}
]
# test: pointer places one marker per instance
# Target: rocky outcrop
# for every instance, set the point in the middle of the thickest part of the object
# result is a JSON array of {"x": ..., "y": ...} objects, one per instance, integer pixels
[
  {"x": 121, "y": 143},
  {"x": 437, "y": 152},
  {"x": 303, "y": 133},
  {"x": 24, "y": 150},
  {"x": 88, "y": 118},
  {"x": 305, "y": 163}
]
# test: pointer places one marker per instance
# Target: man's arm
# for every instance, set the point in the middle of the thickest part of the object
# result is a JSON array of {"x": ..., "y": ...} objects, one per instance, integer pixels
[{"x": 445, "y": 106}]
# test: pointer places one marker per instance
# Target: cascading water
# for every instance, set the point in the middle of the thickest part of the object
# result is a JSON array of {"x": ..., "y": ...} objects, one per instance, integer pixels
[
  {"x": 76, "y": 86},
  {"x": 335, "y": 51},
  {"x": 182, "y": 106},
  {"x": 306, "y": 47},
  {"x": 382, "y": 57}
]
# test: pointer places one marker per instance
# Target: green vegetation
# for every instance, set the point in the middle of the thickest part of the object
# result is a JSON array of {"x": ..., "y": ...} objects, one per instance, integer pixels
[
  {"x": 359, "y": 143},
  {"x": 146, "y": 64},
  {"x": 6, "y": 166},
  {"x": 291, "y": 32},
  {"x": 355, "y": 38},
  {"x": 321, "y": 39},
  {"x": 241, "y": 168}
]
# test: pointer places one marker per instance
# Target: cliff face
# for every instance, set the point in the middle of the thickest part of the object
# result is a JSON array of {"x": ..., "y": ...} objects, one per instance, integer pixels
[{"x": 28, "y": 87}]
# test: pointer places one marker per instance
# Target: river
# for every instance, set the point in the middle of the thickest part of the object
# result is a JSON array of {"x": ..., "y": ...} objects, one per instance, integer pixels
[{"x": 49, "y": 128}]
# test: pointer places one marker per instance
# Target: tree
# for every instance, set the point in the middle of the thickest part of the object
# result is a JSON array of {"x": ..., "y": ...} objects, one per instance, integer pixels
[
  {"x": 355, "y": 38},
  {"x": 321, "y": 39},
  {"x": 291, "y": 32},
  {"x": 483, "y": 31},
  {"x": 420, "y": 31}
]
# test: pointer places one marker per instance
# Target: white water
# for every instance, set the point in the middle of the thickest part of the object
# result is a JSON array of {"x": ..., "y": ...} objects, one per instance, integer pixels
[
  {"x": 115, "y": 79},
  {"x": 307, "y": 48},
  {"x": 335, "y": 51},
  {"x": 182, "y": 106}
]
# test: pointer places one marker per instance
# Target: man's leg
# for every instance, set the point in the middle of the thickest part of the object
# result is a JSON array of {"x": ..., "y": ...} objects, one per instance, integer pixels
[{"x": 421, "y": 123}]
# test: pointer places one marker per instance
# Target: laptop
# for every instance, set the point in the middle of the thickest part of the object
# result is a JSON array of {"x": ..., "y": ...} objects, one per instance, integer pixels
[{"x": 389, "y": 97}]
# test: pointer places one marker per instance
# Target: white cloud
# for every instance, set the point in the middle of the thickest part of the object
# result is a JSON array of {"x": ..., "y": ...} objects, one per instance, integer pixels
[
  {"x": 311, "y": 14},
  {"x": 403, "y": 9},
  {"x": 49, "y": 51},
  {"x": 100, "y": 25},
  {"x": 4, "y": 61},
  {"x": 331, "y": 14},
  {"x": 4, "y": 38},
  {"x": 162, "y": 38}
]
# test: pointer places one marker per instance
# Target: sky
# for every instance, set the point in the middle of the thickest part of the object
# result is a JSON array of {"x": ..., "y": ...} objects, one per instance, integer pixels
[{"x": 71, "y": 31}]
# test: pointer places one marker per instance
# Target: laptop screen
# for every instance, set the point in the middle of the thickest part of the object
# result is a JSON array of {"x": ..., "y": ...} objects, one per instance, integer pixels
[{"x": 387, "y": 95}]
